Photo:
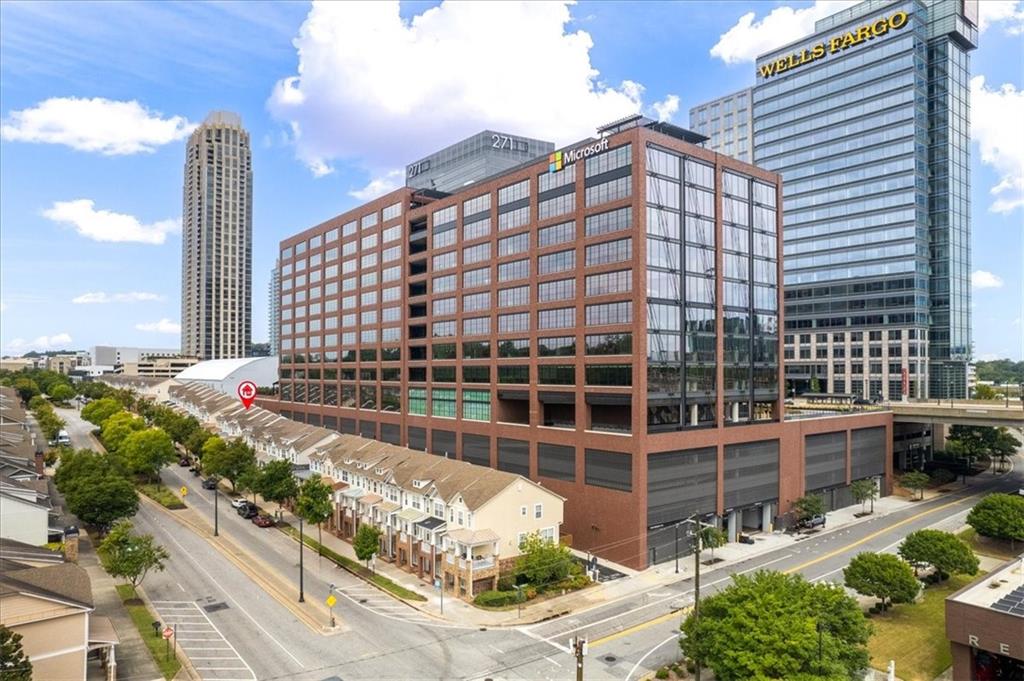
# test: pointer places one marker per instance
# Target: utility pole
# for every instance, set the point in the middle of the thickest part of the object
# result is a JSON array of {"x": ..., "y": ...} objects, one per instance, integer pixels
[
  {"x": 578, "y": 645},
  {"x": 302, "y": 595},
  {"x": 696, "y": 590}
]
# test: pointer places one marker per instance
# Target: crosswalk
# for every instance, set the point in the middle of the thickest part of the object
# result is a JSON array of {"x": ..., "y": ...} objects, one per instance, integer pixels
[{"x": 212, "y": 655}]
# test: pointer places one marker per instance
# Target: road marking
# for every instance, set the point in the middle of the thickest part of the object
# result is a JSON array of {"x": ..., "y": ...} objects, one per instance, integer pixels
[
  {"x": 550, "y": 642},
  {"x": 500, "y": 651},
  {"x": 865, "y": 539},
  {"x": 673, "y": 637},
  {"x": 551, "y": 661},
  {"x": 187, "y": 644}
]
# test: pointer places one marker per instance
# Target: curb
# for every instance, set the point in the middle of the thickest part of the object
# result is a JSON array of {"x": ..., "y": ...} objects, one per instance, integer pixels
[{"x": 268, "y": 586}]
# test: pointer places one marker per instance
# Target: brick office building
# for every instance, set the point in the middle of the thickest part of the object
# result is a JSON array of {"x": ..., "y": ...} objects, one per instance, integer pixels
[{"x": 559, "y": 321}]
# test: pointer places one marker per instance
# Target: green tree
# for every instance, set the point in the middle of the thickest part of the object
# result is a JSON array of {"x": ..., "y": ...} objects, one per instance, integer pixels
[
  {"x": 36, "y": 402},
  {"x": 48, "y": 421},
  {"x": 100, "y": 501},
  {"x": 984, "y": 392},
  {"x": 543, "y": 561},
  {"x": 147, "y": 451},
  {"x": 916, "y": 481},
  {"x": 61, "y": 392},
  {"x": 945, "y": 552},
  {"x": 883, "y": 576},
  {"x": 14, "y": 664},
  {"x": 27, "y": 389},
  {"x": 809, "y": 506},
  {"x": 864, "y": 491},
  {"x": 765, "y": 626},
  {"x": 78, "y": 467},
  {"x": 276, "y": 482},
  {"x": 116, "y": 429},
  {"x": 1000, "y": 516},
  {"x": 712, "y": 538},
  {"x": 131, "y": 556},
  {"x": 196, "y": 440},
  {"x": 98, "y": 411},
  {"x": 1004, "y": 445},
  {"x": 227, "y": 460},
  {"x": 248, "y": 481},
  {"x": 94, "y": 390},
  {"x": 366, "y": 542},
  {"x": 314, "y": 504}
]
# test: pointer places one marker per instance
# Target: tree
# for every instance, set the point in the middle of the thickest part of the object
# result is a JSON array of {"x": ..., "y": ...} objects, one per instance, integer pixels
[
  {"x": 864, "y": 491},
  {"x": 116, "y": 429},
  {"x": 883, "y": 576},
  {"x": 14, "y": 664},
  {"x": 815, "y": 385},
  {"x": 227, "y": 460},
  {"x": 366, "y": 542},
  {"x": 98, "y": 411},
  {"x": 79, "y": 467},
  {"x": 314, "y": 504},
  {"x": 276, "y": 482},
  {"x": 249, "y": 481},
  {"x": 916, "y": 481},
  {"x": 1004, "y": 445},
  {"x": 809, "y": 506},
  {"x": 100, "y": 501},
  {"x": 194, "y": 443},
  {"x": 984, "y": 392},
  {"x": 1000, "y": 516},
  {"x": 147, "y": 451},
  {"x": 27, "y": 389},
  {"x": 765, "y": 626},
  {"x": 36, "y": 402},
  {"x": 543, "y": 561},
  {"x": 131, "y": 556},
  {"x": 712, "y": 538},
  {"x": 945, "y": 552},
  {"x": 61, "y": 392}
]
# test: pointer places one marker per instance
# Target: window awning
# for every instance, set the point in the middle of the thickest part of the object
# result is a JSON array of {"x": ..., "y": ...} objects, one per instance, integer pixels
[
  {"x": 353, "y": 492},
  {"x": 430, "y": 523}
]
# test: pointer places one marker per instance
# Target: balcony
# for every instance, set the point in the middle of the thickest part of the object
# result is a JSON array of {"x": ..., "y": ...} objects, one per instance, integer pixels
[{"x": 483, "y": 563}]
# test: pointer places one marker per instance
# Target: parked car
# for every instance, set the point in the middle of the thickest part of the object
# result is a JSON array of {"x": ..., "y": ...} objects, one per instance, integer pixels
[
  {"x": 183, "y": 462},
  {"x": 210, "y": 483},
  {"x": 261, "y": 520},
  {"x": 814, "y": 521},
  {"x": 248, "y": 510},
  {"x": 1021, "y": 491},
  {"x": 195, "y": 471},
  {"x": 239, "y": 502}
]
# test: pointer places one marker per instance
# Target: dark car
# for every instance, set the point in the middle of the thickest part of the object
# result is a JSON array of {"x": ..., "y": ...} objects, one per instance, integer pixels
[
  {"x": 260, "y": 520},
  {"x": 210, "y": 483},
  {"x": 183, "y": 462},
  {"x": 247, "y": 510}
]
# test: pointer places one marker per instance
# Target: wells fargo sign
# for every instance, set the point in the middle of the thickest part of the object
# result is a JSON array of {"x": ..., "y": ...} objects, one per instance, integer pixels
[{"x": 835, "y": 44}]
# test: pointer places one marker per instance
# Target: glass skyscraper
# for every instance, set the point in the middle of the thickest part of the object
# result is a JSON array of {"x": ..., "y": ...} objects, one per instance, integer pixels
[{"x": 867, "y": 122}]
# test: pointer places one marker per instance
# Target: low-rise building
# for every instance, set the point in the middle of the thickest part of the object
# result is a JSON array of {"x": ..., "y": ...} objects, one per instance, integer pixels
[
  {"x": 438, "y": 517},
  {"x": 26, "y": 510},
  {"x": 224, "y": 375},
  {"x": 17, "y": 363},
  {"x": 151, "y": 366},
  {"x": 985, "y": 625},
  {"x": 66, "y": 363}
]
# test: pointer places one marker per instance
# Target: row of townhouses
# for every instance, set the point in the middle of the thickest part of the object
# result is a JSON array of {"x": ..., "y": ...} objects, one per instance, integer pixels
[{"x": 439, "y": 518}]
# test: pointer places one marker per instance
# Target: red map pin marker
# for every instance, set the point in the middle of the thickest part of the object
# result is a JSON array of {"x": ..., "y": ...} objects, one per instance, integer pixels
[{"x": 247, "y": 393}]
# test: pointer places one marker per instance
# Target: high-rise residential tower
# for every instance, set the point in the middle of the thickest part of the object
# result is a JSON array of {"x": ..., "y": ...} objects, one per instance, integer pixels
[
  {"x": 274, "y": 308},
  {"x": 216, "y": 244},
  {"x": 867, "y": 122}
]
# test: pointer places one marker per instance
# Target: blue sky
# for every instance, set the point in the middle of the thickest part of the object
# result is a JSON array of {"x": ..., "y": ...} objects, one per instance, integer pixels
[{"x": 97, "y": 100}]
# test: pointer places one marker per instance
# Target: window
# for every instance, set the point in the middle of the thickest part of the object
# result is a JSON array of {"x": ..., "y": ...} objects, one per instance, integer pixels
[
  {"x": 476, "y": 374},
  {"x": 561, "y": 289},
  {"x": 391, "y": 212},
  {"x": 555, "y": 461},
  {"x": 556, "y": 262},
  {"x": 474, "y": 302},
  {"x": 445, "y": 283},
  {"x": 613, "y": 470},
  {"x": 620, "y": 281},
  {"x": 478, "y": 253},
  {"x": 445, "y": 237},
  {"x": 475, "y": 278},
  {"x": 560, "y": 346},
  {"x": 559, "y": 205},
  {"x": 513, "y": 323},
  {"x": 548, "y": 181},
  {"x": 476, "y": 205},
  {"x": 444, "y": 261},
  {"x": 556, "y": 374},
  {"x": 476, "y": 350},
  {"x": 513, "y": 374},
  {"x": 610, "y": 344},
  {"x": 517, "y": 269},
  {"x": 511, "y": 297},
  {"x": 609, "y": 374},
  {"x": 515, "y": 192},
  {"x": 442, "y": 402},
  {"x": 609, "y": 313},
  {"x": 476, "y": 326},
  {"x": 514, "y": 218},
  {"x": 444, "y": 216},
  {"x": 612, "y": 221},
  {"x": 556, "y": 234},
  {"x": 614, "y": 190},
  {"x": 477, "y": 229},
  {"x": 418, "y": 401},
  {"x": 476, "y": 405},
  {"x": 442, "y": 374},
  {"x": 391, "y": 234},
  {"x": 443, "y": 306},
  {"x": 519, "y": 347},
  {"x": 538, "y": 511},
  {"x": 443, "y": 350},
  {"x": 512, "y": 245},
  {"x": 443, "y": 329},
  {"x": 609, "y": 251},
  {"x": 558, "y": 318}
]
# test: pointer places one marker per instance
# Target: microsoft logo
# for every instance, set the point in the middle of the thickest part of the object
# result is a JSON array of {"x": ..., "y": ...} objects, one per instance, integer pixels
[{"x": 554, "y": 162}]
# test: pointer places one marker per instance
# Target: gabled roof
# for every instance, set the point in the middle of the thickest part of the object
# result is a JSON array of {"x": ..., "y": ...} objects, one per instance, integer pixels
[
  {"x": 17, "y": 552},
  {"x": 64, "y": 582}
]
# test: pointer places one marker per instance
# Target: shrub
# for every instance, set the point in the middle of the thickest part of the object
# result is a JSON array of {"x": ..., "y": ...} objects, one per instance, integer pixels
[
  {"x": 661, "y": 673},
  {"x": 495, "y": 599},
  {"x": 506, "y": 583},
  {"x": 943, "y": 476}
]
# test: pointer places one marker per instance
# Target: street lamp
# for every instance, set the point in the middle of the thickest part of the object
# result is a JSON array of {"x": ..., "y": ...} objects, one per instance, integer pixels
[{"x": 302, "y": 595}]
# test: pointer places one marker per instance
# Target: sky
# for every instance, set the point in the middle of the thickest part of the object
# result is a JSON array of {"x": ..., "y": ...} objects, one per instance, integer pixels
[{"x": 97, "y": 101}]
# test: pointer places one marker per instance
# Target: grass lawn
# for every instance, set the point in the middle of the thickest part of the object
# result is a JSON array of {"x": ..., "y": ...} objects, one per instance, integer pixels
[
  {"x": 161, "y": 495},
  {"x": 985, "y": 546},
  {"x": 915, "y": 635},
  {"x": 144, "y": 623},
  {"x": 354, "y": 567}
]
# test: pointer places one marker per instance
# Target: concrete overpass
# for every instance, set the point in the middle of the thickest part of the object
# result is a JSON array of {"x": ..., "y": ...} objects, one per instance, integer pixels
[{"x": 959, "y": 413}]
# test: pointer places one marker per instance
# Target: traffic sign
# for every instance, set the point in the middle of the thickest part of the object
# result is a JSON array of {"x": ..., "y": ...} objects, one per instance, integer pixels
[
  {"x": 247, "y": 393},
  {"x": 184, "y": 490},
  {"x": 168, "y": 632},
  {"x": 331, "y": 600}
]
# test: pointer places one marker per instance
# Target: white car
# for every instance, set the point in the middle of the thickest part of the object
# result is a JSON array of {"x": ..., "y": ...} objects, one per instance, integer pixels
[
  {"x": 1021, "y": 491},
  {"x": 239, "y": 502}
]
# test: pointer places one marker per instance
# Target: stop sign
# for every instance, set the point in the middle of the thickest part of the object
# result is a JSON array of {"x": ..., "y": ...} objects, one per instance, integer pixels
[{"x": 168, "y": 632}]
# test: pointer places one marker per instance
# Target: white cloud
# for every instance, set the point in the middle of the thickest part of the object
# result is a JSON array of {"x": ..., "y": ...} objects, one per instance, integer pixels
[
  {"x": 749, "y": 38},
  {"x": 58, "y": 341},
  {"x": 105, "y": 225},
  {"x": 106, "y": 126},
  {"x": 666, "y": 108},
  {"x": 101, "y": 297},
  {"x": 447, "y": 73},
  {"x": 379, "y": 186},
  {"x": 985, "y": 279},
  {"x": 997, "y": 11},
  {"x": 995, "y": 115},
  {"x": 163, "y": 326}
]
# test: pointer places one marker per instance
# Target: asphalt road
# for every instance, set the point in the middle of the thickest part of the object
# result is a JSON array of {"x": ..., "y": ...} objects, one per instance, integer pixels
[{"x": 258, "y": 638}]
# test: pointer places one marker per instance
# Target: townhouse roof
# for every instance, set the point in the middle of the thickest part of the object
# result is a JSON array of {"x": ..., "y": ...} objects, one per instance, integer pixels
[
  {"x": 65, "y": 582},
  {"x": 19, "y": 552},
  {"x": 473, "y": 537}
]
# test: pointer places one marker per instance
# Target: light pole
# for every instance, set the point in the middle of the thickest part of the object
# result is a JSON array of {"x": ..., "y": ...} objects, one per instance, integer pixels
[
  {"x": 676, "y": 528},
  {"x": 302, "y": 595},
  {"x": 697, "y": 526},
  {"x": 216, "y": 518}
]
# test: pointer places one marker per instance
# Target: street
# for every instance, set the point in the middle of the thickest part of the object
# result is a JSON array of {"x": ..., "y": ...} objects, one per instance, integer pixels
[{"x": 238, "y": 631}]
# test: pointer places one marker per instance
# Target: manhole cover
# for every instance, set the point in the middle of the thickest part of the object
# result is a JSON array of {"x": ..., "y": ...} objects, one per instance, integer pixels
[
  {"x": 362, "y": 600},
  {"x": 609, "y": 658},
  {"x": 214, "y": 607}
]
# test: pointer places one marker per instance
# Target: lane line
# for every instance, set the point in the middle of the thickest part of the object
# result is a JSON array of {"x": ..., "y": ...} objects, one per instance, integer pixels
[{"x": 673, "y": 637}]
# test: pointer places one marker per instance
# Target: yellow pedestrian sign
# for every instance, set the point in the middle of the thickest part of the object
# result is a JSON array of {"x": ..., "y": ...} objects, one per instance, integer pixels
[
  {"x": 184, "y": 490},
  {"x": 331, "y": 600}
]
